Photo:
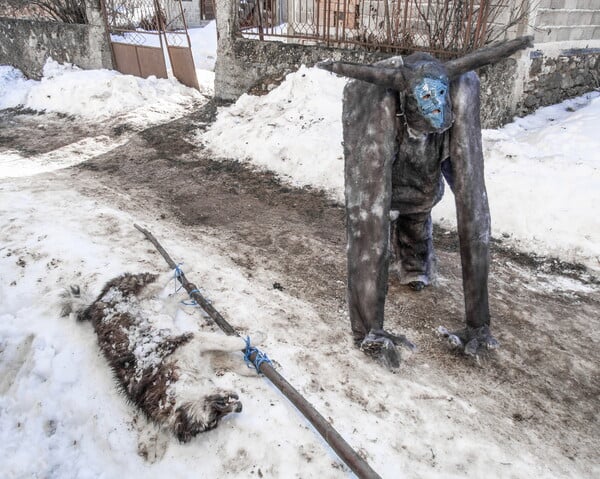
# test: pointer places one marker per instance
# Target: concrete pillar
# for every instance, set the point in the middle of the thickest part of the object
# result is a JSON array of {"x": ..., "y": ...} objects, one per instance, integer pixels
[
  {"x": 99, "y": 36},
  {"x": 226, "y": 69}
]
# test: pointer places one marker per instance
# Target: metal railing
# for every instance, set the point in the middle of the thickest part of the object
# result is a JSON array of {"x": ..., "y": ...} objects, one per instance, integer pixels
[
  {"x": 443, "y": 27},
  {"x": 142, "y": 22}
]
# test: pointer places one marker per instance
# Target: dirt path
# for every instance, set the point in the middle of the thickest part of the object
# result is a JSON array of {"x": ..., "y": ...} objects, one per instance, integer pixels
[{"x": 540, "y": 391}]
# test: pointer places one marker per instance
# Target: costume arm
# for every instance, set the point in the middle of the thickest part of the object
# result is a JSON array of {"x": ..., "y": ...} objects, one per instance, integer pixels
[{"x": 369, "y": 124}]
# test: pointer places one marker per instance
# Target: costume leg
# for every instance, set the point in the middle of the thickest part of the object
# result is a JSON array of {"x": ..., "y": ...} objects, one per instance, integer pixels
[
  {"x": 414, "y": 248},
  {"x": 369, "y": 150},
  {"x": 370, "y": 129},
  {"x": 473, "y": 217},
  {"x": 471, "y": 198}
]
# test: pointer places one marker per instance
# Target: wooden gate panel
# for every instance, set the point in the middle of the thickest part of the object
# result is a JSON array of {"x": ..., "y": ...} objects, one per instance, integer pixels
[
  {"x": 152, "y": 62},
  {"x": 139, "y": 25},
  {"x": 182, "y": 63},
  {"x": 126, "y": 59}
]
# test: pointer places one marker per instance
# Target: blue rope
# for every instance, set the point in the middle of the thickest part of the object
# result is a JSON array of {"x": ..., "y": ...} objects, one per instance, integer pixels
[
  {"x": 193, "y": 301},
  {"x": 177, "y": 272},
  {"x": 258, "y": 359}
]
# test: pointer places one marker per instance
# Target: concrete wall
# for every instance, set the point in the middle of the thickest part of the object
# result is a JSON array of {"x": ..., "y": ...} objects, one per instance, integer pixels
[
  {"x": 191, "y": 10},
  {"x": 550, "y": 72},
  {"x": 26, "y": 44}
]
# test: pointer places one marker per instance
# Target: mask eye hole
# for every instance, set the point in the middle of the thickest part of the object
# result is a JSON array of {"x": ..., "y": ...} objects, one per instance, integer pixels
[
  {"x": 442, "y": 92},
  {"x": 427, "y": 96}
]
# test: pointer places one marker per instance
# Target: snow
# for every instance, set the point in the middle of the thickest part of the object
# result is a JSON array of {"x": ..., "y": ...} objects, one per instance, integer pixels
[
  {"x": 292, "y": 130},
  {"x": 542, "y": 177},
  {"x": 97, "y": 94},
  {"x": 15, "y": 165},
  {"x": 60, "y": 414}
]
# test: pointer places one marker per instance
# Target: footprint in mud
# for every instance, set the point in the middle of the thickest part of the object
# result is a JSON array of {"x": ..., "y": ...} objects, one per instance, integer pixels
[{"x": 13, "y": 357}]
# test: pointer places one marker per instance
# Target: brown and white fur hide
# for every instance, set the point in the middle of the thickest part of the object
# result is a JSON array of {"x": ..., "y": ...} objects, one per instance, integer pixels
[{"x": 164, "y": 372}]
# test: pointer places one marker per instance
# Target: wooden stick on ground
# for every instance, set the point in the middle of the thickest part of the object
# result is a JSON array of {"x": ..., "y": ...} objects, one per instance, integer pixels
[{"x": 345, "y": 452}]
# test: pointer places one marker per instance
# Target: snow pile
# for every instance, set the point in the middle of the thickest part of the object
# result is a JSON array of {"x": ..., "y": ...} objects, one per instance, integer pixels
[
  {"x": 542, "y": 171},
  {"x": 542, "y": 175},
  {"x": 14, "y": 87},
  {"x": 295, "y": 130},
  {"x": 97, "y": 94}
]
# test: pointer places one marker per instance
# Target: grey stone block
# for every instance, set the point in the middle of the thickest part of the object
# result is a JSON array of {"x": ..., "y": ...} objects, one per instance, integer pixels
[{"x": 586, "y": 4}]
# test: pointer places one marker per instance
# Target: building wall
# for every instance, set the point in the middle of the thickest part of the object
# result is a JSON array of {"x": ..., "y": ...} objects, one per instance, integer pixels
[
  {"x": 191, "y": 9},
  {"x": 564, "y": 20}
]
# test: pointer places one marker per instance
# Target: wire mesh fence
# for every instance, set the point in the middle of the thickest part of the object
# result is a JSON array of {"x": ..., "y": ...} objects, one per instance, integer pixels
[
  {"x": 443, "y": 27},
  {"x": 148, "y": 15},
  {"x": 141, "y": 22}
]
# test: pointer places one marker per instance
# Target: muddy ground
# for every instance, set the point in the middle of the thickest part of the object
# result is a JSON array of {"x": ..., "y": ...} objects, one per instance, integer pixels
[{"x": 541, "y": 387}]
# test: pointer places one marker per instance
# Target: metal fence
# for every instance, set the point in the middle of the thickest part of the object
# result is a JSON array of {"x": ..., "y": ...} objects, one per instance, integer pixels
[
  {"x": 443, "y": 27},
  {"x": 148, "y": 35}
]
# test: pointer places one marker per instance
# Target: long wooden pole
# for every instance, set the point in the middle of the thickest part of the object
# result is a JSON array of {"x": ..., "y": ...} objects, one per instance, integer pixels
[{"x": 345, "y": 452}]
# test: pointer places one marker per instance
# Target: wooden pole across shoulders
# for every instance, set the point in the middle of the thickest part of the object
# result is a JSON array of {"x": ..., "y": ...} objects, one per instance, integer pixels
[{"x": 345, "y": 452}]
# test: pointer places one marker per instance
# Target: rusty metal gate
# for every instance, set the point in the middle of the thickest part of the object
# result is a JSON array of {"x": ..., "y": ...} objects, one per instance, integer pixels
[
  {"x": 446, "y": 28},
  {"x": 146, "y": 34}
]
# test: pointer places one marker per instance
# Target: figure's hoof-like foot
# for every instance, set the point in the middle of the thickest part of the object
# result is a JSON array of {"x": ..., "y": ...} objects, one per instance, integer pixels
[
  {"x": 381, "y": 345},
  {"x": 417, "y": 285},
  {"x": 471, "y": 341}
]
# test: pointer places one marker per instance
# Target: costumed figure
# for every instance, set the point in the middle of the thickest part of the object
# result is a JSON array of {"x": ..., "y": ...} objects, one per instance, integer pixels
[{"x": 408, "y": 123}]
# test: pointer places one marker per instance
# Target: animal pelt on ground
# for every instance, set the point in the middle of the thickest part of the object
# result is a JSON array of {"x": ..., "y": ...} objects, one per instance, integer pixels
[{"x": 165, "y": 373}]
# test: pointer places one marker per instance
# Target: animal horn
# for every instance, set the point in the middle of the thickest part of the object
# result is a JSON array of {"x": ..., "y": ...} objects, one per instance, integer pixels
[
  {"x": 486, "y": 55},
  {"x": 382, "y": 76}
]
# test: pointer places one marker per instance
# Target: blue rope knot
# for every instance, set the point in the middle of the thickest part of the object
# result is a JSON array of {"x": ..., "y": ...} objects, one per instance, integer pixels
[
  {"x": 193, "y": 301},
  {"x": 258, "y": 359},
  {"x": 177, "y": 273}
]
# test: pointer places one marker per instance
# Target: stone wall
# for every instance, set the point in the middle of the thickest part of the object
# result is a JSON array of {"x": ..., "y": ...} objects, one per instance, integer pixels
[
  {"x": 258, "y": 66},
  {"x": 553, "y": 78},
  {"x": 499, "y": 91},
  {"x": 27, "y": 44}
]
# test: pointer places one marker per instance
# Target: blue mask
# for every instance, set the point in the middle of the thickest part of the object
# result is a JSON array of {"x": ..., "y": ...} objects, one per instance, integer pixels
[{"x": 432, "y": 98}]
